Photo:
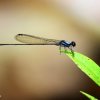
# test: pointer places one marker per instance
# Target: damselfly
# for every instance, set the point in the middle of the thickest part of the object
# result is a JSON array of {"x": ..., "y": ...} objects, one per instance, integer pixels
[{"x": 34, "y": 40}]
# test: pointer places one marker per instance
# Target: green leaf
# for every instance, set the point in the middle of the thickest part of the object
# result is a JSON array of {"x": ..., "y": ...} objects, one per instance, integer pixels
[
  {"x": 88, "y": 66},
  {"x": 88, "y": 96}
]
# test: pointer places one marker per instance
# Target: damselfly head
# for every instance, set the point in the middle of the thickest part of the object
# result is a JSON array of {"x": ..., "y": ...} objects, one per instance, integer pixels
[{"x": 73, "y": 43}]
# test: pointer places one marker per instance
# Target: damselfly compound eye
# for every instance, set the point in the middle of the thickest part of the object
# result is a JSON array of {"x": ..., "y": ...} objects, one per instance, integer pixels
[{"x": 73, "y": 43}]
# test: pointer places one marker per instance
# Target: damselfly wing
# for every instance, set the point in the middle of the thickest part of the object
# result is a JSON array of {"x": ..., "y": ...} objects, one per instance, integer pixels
[{"x": 31, "y": 39}]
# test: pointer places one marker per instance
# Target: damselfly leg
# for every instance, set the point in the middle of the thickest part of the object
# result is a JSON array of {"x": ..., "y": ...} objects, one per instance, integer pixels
[
  {"x": 60, "y": 48},
  {"x": 72, "y": 52}
]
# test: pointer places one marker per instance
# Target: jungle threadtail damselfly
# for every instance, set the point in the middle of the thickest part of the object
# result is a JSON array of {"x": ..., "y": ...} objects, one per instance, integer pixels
[{"x": 35, "y": 40}]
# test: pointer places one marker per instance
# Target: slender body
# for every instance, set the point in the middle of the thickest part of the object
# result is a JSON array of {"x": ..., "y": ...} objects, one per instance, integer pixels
[{"x": 34, "y": 40}]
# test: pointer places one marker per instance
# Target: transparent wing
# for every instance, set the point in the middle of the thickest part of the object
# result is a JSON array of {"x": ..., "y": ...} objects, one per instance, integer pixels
[{"x": 24, "y": 38}]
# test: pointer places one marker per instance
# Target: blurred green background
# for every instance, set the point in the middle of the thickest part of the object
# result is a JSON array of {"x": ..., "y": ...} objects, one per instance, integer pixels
[{"x": 33, "y": 72}]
